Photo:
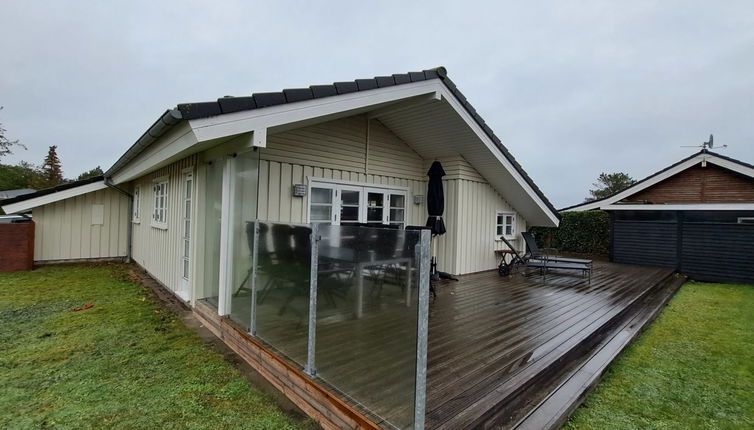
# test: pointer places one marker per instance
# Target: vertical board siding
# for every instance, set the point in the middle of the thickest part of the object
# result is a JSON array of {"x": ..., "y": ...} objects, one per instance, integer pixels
[
  {"x": 472, "y": 213},
  {"x": 65, "y": 232},
  {"x": 351, "y": 149},
  {"x": 159, "y": 250}
]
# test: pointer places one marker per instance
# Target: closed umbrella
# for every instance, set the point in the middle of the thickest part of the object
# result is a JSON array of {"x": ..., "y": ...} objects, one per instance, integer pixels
[{"x": 435, "y": 199}]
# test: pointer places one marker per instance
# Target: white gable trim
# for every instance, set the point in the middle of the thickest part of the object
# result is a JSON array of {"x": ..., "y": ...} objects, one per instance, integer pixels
[
  {"x": 699, "y": 158},
  {"x": 683, "y": 207},
  {"x": 219, "y": 126},
  {"x": 53, "y": 197},
  {"x": 492, "y": 147}
]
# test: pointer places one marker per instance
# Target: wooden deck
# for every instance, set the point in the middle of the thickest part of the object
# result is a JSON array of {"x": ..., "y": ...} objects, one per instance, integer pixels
[{"x": 495, "y": 344}]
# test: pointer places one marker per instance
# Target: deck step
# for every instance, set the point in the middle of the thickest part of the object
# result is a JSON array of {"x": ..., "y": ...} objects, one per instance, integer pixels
[{"x": 555, "y": 408}]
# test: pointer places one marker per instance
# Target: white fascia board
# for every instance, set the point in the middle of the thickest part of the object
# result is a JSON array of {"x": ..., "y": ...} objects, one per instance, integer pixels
[
  {"x": 683, "y": 207},
  {"x": 163, "y": 151},
  {"x": 53, "y": 197},
  {"x": 586, "y": 206},
  {"x": 477, "y": 129},
  {"x": 744, "y": 170},
  {"x": 220, "y": 126}
]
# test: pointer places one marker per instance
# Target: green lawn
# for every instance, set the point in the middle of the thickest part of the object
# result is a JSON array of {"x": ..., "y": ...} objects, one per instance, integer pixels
[
  {"x": 692, "y": 369},
  {"x": 124, "y": 363}
]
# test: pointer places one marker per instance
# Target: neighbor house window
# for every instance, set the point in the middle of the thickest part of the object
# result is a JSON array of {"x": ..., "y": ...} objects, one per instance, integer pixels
[
  {"x": 136, "y": 204},
  {"x": 505, "y": 225},
  {"x": 160, "y": 207},
  {"x": 746, "y": 220}
]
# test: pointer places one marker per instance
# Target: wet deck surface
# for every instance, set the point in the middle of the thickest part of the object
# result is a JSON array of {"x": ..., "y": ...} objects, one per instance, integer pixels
[{"x": 488, "y": 334}]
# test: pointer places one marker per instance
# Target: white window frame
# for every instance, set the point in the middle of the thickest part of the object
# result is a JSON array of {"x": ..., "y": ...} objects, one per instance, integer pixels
[
  {"x": 136, "y": 210},
  {"x": 505, "y": 214},
  {"x": 364, "y": 188},
  {"x": 160, "y": 214}
]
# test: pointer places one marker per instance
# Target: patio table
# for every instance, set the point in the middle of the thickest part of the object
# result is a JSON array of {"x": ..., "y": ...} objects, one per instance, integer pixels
[{"x": 362, "y": 260}]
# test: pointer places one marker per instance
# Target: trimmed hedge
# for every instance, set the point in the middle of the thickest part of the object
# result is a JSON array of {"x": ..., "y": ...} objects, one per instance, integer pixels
[{"x": 585, "y": 232}]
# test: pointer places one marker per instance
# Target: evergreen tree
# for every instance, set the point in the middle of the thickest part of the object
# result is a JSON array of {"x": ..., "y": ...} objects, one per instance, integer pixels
[
  {"x": 608, "y": 184},
  {"x": 97, "y": 171},
  {"x": 52, "y": 172}
]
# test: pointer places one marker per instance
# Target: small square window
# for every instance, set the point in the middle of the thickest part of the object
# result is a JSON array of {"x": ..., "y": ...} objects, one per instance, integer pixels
[{"x": 505, "y": 225}]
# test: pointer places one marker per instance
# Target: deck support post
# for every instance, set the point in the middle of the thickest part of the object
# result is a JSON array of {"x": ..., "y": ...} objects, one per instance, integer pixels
[
  {"x": 420, "y": 398},
  {"x": 310, "y": 368},
  {"x": 254, "y": 256}
]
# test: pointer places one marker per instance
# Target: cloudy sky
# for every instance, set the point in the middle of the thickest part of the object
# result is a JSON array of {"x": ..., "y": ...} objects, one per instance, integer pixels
[{"x": 572, "y": 88}]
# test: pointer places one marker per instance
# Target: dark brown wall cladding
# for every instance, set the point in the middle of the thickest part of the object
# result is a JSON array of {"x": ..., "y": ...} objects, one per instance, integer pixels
[
  {"x": 711, "y": 184},
  {"x": 16, "y": 246}
]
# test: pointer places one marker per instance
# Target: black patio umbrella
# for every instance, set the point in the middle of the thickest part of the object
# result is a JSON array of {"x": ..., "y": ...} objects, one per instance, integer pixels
[{"x": 435, "y": 199}]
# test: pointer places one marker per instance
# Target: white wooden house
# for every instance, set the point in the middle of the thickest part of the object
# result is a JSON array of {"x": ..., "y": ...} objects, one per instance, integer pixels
[{"x": 177, "y": 203}]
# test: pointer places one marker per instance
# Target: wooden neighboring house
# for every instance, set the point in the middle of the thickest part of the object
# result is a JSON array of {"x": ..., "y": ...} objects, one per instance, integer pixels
[
  {"x": 696, "y": 216},
  {"x": 248, "y": 194}
]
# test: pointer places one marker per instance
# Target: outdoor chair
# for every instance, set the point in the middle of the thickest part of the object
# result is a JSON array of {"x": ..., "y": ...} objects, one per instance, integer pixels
[
  {"x": 543, "y": 265},
  {"x": 536, "y": 253}
]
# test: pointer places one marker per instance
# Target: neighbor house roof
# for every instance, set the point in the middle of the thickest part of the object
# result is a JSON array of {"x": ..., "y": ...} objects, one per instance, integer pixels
[
  {"x": 50, "y": 195},
  {"x": 704, "y": 155},
  {"x": 229, "y": 105},
  {"x": 7, "y": 194}
]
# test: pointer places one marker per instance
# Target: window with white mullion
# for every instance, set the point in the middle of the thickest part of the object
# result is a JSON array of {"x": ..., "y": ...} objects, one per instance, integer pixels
[
  {"x": 505, "y": 225},
  {"x": 160, "y": 202},
  {"x": 321, "y": 203},
  {"x": 397, "y": 213}
]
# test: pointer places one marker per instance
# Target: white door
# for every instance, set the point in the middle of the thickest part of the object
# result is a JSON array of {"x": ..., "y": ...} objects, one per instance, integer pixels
[
  {"x": 349, "y": 199},
  {"x": 187, "y": 198}
]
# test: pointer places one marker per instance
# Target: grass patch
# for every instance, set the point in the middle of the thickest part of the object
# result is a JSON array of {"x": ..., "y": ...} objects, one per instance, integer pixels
[
  {"x": 692, "y": 369},
  {"x": 124, "y": 363}
]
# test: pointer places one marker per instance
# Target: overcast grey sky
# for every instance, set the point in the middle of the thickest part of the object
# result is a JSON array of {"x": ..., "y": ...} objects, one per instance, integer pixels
[{"x": 572, "y": 88}]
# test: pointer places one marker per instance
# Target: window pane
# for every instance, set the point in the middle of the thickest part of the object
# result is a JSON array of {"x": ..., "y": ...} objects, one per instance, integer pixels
[
  {"x": 397, "y": 201},
  {"x": 374, "y": 215},
  {"x": 509, "y": 219},
  {"x": 321, "y": 195},
  {"x": 499, "y": 230},
  {"x": 396, "y": 215},
  {"x": 321, "y": 213},
  {"x": 349, "y": 197},
  {"x": 349, "y": 214},
  {"x": 499, "y": 219},
  {"x": 375, "y": 199},
  {"x": 508, "y": 230},
  {"x": 185, "y": 269},
  {"x": 188, "y": 189}
]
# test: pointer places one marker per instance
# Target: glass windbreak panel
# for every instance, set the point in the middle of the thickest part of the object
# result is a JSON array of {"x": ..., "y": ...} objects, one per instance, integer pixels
[
  {"x": 244, "y": 177},
  {"x": 367, "y": 294},
  {"x": 283, "y": 270},
  {"x": 213, "y": 191}
]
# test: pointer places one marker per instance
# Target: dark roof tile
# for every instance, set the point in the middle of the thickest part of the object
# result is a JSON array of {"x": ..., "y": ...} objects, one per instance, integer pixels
[
  {"x": 346, "y": 87},
  {"x": 236, "y": 104},
  {"x": 268, "y": 99},
  {"x": 323, "y": 91},
  {"x": 385, "y": 81},
  {"x": 416, "y": 76},
  {"x": 199, "y": 110},
  {"x": 401, "y": 78},
  {"x": 366, "y": 84},
  {"x": 298, "y": 94}
]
